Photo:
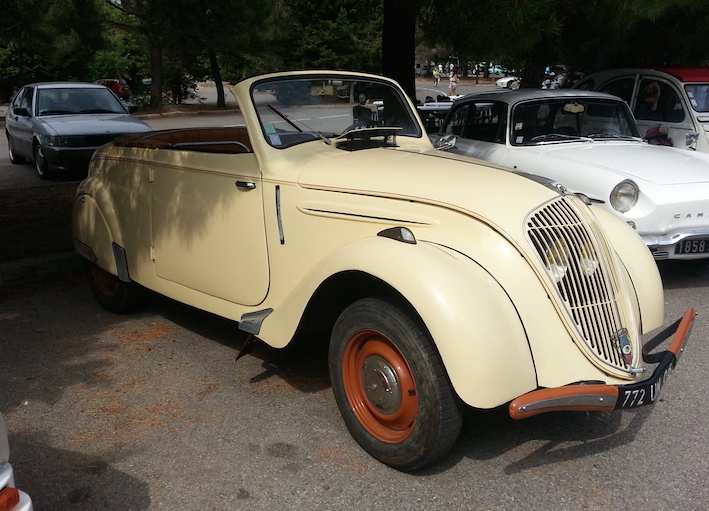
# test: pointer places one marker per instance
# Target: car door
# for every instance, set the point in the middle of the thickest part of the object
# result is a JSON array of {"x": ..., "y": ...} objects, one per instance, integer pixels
[
  {"x": 480, "y": 127},
  {"x": 659, "y": 104},
  {"x": 207, "y": 222},
  {"x": 20, "y": 126}
]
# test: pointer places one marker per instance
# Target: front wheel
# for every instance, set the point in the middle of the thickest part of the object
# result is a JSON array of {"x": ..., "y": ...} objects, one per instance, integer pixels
[
  {"x": 391, "y": 387},
  {"x": 112, "y": 293},
  {"x": 40, "y": 162}
]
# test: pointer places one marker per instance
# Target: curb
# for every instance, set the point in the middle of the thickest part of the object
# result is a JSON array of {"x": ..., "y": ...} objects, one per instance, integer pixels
[{"x": 34, "y": 268}]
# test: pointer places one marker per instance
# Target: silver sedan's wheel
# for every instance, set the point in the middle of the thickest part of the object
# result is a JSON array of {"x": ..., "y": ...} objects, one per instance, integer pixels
[
  {"x": 40, "y": 162},
  {"x": 11, "y": 150}
]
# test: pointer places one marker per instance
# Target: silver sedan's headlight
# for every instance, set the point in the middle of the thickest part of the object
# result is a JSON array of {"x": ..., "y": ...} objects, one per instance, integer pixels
[
  {"x": 624, "y": 196},
  {"x": 65, "y": 141}
]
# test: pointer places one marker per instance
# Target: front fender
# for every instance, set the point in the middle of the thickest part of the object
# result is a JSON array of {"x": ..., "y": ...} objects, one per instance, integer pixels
[
  {"x": 641, "y": 268},
  {"x": 471, "y": 319}
]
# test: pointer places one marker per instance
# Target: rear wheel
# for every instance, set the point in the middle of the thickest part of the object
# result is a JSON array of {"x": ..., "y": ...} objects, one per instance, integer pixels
[
  {"x": 391, "y": 387},
  {"x": 13, "y": 155},
  {"x": 40, "y": 162},
  {"x": 112, "y": 293}
]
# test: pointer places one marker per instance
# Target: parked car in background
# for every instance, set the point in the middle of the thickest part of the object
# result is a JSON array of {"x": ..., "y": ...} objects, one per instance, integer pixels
[
  {"x": 117, "y": 85},
  {"x": 508, "y": 82},
  {"x": 442, "y": 281},
  {"x": 590, "y": 143},
  {"x": 11, "y": 499},
  {"x": 59, "y": 126},
  {"x": 671, "y": 104}
]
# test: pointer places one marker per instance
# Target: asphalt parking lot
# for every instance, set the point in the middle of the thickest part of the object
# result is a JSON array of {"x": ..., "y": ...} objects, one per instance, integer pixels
[{"x": 150, "y": 411}]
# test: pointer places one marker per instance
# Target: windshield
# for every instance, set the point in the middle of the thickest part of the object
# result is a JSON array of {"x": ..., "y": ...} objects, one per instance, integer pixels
[
  {"x": 571, "y": 119},
  {"x": 63, "y": 101},
  {"x": 697, "y": 94},
  {"x": 292, "y": 111}
]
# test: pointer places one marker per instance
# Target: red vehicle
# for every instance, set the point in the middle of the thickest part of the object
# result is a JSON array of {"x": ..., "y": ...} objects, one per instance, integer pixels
[{"x": 119, "y": 86}]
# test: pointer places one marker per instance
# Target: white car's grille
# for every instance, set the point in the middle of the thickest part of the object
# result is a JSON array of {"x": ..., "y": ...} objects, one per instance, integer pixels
[{"x": 578, "y": 261}]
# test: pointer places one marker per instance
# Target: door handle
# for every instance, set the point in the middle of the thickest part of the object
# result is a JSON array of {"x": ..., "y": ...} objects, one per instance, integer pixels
[{"x": 246, "y": 185}]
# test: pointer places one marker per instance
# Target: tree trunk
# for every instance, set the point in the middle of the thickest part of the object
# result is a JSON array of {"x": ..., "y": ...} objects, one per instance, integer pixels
[
  {"x": 399, "y": 44},
  {"x": 217, "y": 76},
  {"x": 155, "y": 75}
]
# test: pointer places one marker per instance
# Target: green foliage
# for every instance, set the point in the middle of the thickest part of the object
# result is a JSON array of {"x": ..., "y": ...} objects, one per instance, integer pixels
[{"x": 180, "y": 41}]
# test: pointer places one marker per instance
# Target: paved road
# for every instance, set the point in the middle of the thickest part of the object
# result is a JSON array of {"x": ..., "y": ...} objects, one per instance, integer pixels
[{"x": 150, "y": 411}]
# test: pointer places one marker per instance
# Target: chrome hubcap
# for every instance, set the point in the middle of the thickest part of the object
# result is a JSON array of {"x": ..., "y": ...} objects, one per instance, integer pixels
[{"x": 381, "y": 385}]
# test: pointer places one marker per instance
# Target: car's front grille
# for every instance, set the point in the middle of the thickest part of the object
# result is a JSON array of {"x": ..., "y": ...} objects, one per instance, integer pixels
[
  {"x": 99, "y": 140},
  {"x": 578, "y": 261}
]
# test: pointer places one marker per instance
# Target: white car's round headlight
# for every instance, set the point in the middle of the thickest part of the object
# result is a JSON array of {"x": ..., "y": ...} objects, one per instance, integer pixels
[{"x": 624, "y": 196}]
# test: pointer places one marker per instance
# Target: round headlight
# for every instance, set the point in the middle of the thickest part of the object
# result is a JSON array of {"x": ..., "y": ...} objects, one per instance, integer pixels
[{"x": 624, "y": 196}]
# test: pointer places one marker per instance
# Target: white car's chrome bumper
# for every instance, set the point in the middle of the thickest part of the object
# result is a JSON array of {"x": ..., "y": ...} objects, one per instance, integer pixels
[{"x": 682, "y": 245}]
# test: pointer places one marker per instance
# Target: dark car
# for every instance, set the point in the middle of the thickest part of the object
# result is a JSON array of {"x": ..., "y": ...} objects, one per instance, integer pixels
[
  {"x": 58, "y": 126},
  {"x": 117, "y": 85}
]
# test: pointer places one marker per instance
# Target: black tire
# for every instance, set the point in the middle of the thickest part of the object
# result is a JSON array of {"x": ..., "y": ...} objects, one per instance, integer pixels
[
  {"x": 11, "y": 151},
  {"x": 40, "y": 162},
  {"x": 113, "y": 294},
  {"x": 391, "y": 387}
]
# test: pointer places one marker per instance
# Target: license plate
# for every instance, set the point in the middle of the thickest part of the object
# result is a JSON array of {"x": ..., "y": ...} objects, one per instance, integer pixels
[
  {"x": 694, "y": 246},
  {"x": 646, "y": 392}
]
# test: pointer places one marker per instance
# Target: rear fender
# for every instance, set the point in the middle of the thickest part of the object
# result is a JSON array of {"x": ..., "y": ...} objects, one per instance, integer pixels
[{"x": 96, "y": 235}]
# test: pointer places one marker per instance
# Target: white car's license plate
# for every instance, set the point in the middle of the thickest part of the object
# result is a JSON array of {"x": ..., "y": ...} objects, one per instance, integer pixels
[{"x": 693, "y": 246}]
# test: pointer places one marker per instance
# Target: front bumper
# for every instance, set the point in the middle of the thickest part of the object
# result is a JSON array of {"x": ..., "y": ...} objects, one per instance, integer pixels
[
  {"x": 604, "y": 398},
  {"x": 683, "y": 245},
  {"x": 68, "y": 158}
]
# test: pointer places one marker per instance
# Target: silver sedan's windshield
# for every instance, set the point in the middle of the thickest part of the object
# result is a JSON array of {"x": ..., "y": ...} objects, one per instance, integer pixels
[
  {"x": 65, "y": 101},
  {"x": 566, "y": 119},
  {"x": 292, "y": 111}
]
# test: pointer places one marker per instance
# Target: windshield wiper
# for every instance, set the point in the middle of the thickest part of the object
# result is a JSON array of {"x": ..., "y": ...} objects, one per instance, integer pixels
[
  {"x": 613, "y": 135},
  {"x": 99, "y": 111},
  {"x": 294, "y": 125},
  {"x": 557, "y": 136},
  {"x": 56, "y": 112}
]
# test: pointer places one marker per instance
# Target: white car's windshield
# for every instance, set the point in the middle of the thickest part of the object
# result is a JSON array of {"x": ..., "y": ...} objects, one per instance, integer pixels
[
  {"x": 571, "y": 119},
  {"x": 698, "y": 96},
  {"x": 64, "y": 101},
  {"x": 292, "y": 111}
]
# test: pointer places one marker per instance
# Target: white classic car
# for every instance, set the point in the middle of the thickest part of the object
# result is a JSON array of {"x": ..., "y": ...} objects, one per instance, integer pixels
[
  {"x": 590, "y": 143},
  {"x": 443, "y": 282},
  {"x": 672, "y": 101}
]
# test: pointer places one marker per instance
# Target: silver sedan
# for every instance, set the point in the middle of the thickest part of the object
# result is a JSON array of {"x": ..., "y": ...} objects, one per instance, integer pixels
[{"x": 58, "y": 126}]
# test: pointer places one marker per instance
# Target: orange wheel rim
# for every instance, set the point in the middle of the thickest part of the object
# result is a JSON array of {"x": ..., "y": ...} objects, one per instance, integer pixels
[
  {"x": 106, "y": 283},
  {"x": 380, "y": 386}
]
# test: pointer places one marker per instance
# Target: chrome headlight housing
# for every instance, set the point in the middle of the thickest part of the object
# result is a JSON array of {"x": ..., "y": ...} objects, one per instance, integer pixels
[{"x": 624, "y": 196}]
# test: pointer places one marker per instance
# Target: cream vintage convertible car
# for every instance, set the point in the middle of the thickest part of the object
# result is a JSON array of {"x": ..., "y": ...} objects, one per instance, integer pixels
[{"x": 444, "y": 282}]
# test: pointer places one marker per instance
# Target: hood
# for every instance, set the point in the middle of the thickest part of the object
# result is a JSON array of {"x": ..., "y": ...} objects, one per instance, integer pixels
[
  {"x": 480, "y": 190},
  {"x": 636, "y": 160},
  {"x": 97, "y": 124}
]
